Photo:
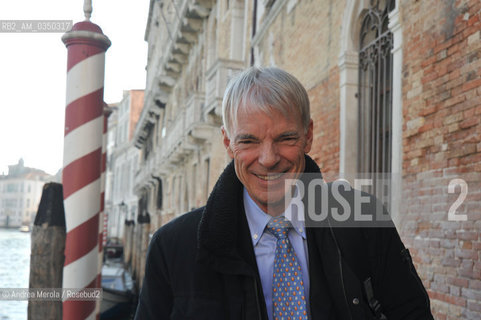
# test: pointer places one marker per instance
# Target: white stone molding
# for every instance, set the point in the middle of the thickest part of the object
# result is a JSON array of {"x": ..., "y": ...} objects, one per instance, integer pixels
[
  {"x": 192, "y": 24},
  {"x": 237, "y": 41},
  {"x": 173, "y": 66},
  {"x": 397, "y": 114},
  {"x": 348, "y": 116},
  {"x": 182, "y": 47},
  {"x": 348, "y": 75},
  {"x": 291, "y": 5},
  {"x": 268, "y": 20},
  {"x": 199, "y": 10}
]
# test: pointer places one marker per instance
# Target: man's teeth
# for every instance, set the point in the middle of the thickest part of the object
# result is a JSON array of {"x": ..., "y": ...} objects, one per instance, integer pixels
[{"x": 270, "y": 177}]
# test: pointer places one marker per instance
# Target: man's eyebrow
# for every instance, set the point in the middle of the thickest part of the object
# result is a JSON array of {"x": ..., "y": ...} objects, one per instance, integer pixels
[
  {"x": 245, "y": 137},
  {"x": 288, "y": 134}
]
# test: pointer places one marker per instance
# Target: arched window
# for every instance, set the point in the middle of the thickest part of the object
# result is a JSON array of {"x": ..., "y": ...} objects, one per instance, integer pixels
[
  {"x": 375, "y": 98},
  {"x": 375, "y": 90},
  {"x": 370, "y": 66}
]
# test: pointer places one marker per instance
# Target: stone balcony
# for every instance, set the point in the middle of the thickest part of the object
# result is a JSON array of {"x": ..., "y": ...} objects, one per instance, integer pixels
[
  {"x": 171, "y": 148},
  {"x": 217, "y": 78},
  {"x": 186, "y": 27},
  {"x": 196, "y": 127},
  {"x": 144, "y": 175},
  {"x": 193, "y": 111},
  {"x": 164, "y": 71}
]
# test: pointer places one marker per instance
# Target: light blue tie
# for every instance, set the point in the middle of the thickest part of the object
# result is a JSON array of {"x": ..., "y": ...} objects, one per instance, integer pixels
[{"x": 288, "y": 299}]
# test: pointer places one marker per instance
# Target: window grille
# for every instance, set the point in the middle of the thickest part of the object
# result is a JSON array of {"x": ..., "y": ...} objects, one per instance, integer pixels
[{"x": 375, "y": 96}]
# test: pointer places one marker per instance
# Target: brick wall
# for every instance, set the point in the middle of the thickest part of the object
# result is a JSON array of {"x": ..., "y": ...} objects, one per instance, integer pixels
[
  {"x": 325, "y": 114},
  {"x": 441, "y": 142}
]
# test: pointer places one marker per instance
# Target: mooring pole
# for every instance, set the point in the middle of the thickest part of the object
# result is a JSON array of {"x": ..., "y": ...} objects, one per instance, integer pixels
[
  {"x": 47, "y": 254},
  {"x": 84, "y": 121}
]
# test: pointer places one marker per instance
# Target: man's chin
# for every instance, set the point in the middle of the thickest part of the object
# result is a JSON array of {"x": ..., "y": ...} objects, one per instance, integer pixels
[{"x": 274, "y": 204}]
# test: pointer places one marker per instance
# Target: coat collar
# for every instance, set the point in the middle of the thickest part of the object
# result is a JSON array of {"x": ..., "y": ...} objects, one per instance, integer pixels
[{"x": 221, "y": 233}]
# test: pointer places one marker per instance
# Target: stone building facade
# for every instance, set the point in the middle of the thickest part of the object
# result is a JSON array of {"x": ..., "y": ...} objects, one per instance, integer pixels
[
  {"x": 192, "y": 52},
  {"x": 394, "y": 86},
  {"x": 20, "y": 193},
  {"x": 121, "y": 203},
  {"x": 123, "y": 161}
]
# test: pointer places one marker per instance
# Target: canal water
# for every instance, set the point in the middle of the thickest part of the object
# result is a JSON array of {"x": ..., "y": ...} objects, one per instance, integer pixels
[{"x": 14, "y": 270}]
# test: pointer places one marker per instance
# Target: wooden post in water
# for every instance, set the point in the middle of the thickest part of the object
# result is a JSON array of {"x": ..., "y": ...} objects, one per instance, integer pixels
[
  {"x": 128, "y": 242},
  {"x": 144, "y": 227},
  {"x": 47, "y": 254},
  {"x": 135, "y": 252}
]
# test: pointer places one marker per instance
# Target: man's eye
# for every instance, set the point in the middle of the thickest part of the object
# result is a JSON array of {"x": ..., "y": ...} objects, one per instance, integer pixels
[{"x": 246, "y": 141}]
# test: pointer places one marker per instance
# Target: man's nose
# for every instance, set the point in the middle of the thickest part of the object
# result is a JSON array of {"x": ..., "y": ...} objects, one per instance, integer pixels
[{"x": 269, "y": 155}]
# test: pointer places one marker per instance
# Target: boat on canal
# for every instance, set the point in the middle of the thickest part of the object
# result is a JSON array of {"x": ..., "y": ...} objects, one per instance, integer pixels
[
  {"x": 119, "y": 298},
  {"x": 24, "y": 228}
]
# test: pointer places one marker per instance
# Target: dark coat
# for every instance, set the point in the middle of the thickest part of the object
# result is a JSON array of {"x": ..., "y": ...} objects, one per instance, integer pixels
[{"x": 202, "y": 266}]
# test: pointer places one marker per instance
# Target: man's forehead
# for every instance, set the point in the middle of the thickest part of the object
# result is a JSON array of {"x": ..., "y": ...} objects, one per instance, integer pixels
[
  {"x": 254, "y": 129},
  {"x": 255, "y": 114},
  {"x": 255, "y": 119},
  {"x": 253, "y": 108}
]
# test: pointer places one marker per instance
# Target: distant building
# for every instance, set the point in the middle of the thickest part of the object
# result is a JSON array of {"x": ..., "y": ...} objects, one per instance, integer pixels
[
  {"x": 20, "y": 193},
  {"x": 122, "y": 163}
]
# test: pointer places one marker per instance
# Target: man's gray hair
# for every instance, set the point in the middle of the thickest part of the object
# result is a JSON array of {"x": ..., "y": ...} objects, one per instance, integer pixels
[{"x": 265, "y": 89}]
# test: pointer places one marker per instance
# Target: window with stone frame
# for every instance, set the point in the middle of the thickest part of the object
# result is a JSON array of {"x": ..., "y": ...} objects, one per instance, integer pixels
[{"x": 375, "y": 97}]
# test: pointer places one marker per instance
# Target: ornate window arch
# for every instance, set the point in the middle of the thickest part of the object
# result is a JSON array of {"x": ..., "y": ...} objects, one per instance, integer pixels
[
  {"x": 375, "y": 90},
  {"x": 354, "y": 15}
]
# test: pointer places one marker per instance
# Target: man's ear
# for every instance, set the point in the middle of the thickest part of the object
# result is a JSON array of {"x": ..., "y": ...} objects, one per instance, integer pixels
[
  {"x": 309, "y": 137},
  {"x": 226, "y": 141}
]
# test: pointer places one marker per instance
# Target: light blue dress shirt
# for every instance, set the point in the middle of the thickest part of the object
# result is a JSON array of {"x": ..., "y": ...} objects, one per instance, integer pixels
[{"x": 265, "y": 246}]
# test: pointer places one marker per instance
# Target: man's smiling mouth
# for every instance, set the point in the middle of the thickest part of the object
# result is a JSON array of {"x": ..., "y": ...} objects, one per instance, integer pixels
[{"x": 270, "y": 176}]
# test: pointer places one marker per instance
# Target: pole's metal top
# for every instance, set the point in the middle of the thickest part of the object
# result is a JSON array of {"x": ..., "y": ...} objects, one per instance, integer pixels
[
  {"x": 86, "y": 31},
  {"x": 87, "y": 9}
]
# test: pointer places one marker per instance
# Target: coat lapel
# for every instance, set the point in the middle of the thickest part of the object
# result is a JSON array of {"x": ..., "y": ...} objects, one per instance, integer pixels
[{"x": 219, "y": 229}]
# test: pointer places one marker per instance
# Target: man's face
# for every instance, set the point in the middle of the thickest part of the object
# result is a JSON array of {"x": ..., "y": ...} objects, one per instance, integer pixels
[{"x": 267, "y": 149}]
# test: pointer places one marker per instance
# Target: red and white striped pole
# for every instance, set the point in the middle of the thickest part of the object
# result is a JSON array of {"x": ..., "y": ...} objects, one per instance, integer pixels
[{"x": 84, "y": 121}]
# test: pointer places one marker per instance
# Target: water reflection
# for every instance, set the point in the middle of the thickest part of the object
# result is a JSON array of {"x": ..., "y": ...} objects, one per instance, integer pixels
[{"x": 14, "y": 270}]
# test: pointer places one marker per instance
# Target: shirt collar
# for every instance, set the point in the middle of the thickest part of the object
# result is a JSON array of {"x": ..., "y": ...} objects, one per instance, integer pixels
[
  {"x": 258, "y": 219},
  {"x": 295, "y": 214}
]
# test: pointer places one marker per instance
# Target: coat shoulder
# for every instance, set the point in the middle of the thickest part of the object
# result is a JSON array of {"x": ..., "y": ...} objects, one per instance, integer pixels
[{"x": 180, "y": 228}]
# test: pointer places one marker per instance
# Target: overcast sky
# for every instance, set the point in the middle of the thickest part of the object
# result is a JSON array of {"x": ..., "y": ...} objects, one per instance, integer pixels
[{"x": 33, "y": 69}]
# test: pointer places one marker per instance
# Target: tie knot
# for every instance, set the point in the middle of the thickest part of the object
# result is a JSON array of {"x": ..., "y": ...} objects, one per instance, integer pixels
[{"x": 279, "y": 227}]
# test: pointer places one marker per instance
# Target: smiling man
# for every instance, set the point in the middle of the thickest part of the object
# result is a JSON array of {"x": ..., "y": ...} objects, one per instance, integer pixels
[
  {"x": 267, "y": 135},
  {"x": 247, "y": 254}
]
